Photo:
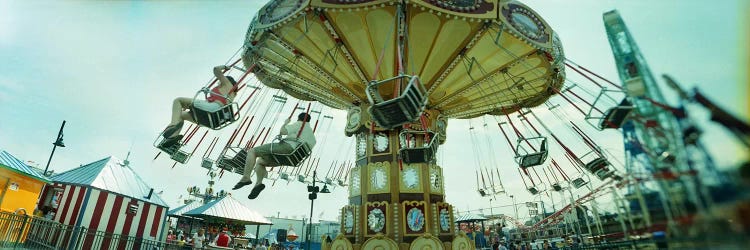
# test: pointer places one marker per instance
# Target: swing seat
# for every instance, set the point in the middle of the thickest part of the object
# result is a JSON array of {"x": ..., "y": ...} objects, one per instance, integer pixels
[
  {"x": 422, "y": 154},
  {"x": 533, "y": 190},
  {"x": 616, "y": 116},
  {"x": 225, "y": 164},
  {"x": 603, "y": 174},
  {"x": 579, "y": 182},
  {"x": 232, "y": 163},
  {"x": 175, "y": 153},
  {"x": 597, "y": 164},
  {"x": 556, "y": 187},
  {"x": 294, "y": 158},
  {"x": 498, "y": 189},
  {"x": 482, "y": 192},
  {"x": 207, "y": 163},
  {"x": 216, "y": 119},
  {"x": 402, "y": 109},
  {"x": 613, "y": 116},
  {"x": 180, "y": 156},
  {"x": 284, "y": 176},
  {"x": 691, "y": 134},
  {"x": 329, "y": 181},
  {"x": 342, "y": 183},
  {"x": 301, "y": 178},
  {"x": 535, "y": 158}
]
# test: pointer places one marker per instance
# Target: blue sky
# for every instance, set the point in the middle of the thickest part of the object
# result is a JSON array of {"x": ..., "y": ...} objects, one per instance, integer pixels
[{"x": 111, "y": 69}]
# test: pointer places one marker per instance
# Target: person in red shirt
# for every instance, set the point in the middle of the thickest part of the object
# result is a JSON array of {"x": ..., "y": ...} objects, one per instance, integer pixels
[
  {"x": 219, "y": 96},
  {"x": 223, "y": 239}
]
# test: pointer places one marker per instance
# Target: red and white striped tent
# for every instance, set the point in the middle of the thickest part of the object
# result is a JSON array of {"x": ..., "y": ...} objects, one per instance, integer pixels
[{"x": 107, "y": 195}]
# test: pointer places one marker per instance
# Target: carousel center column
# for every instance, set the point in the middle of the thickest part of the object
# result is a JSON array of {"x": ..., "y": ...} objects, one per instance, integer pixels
[{"x": 396, "y": 192}]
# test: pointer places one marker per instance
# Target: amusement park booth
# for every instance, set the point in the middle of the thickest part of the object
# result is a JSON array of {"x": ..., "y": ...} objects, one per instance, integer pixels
[
  {"x": 186, "y": 223},
  {"x": 107, "y": 197},
  {"x": 20, "y": 189},
  {"x": 21, "y": 185},
  {"x": 227, "y": 212}
]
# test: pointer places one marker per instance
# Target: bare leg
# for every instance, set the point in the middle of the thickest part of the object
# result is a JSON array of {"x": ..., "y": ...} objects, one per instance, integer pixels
[
  {"x": 187, "y": 116},
  {"x": 249, "y": 165},
  {"x": 260, "y": 173},
  {"x": 178, "y": 105}
]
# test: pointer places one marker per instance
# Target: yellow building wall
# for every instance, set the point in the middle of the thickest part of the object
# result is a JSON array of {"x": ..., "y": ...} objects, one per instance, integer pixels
[{"x": 25, "y": 197}]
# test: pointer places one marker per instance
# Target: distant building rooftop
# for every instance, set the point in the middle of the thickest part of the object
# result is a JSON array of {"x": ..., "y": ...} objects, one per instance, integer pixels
[
  {"x": 110, "y": 174},
  {"x": 14, "y": 164}
]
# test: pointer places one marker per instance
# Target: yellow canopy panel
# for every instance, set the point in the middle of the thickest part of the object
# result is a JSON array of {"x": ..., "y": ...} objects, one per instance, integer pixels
[{"x": 474, "y": 57}]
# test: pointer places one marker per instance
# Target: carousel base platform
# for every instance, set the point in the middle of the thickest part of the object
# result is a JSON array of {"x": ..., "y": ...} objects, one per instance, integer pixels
[{"x": 426, "y": 241}]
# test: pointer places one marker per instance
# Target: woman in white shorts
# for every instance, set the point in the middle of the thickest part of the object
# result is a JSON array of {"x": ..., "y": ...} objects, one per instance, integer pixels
[{"x": 219, "y": 96}]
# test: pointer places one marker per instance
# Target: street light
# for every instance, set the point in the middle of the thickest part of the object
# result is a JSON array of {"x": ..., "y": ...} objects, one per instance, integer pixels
[
  {"x": 515, "y": 209},
  {"x": 58, "y": 143},
  {"x": 314, "y": 190}
]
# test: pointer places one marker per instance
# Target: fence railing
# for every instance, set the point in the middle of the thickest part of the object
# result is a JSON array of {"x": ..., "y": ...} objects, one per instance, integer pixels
[
  {"x": 12, "y": 229},
  {"x": 25, "y": 232}
]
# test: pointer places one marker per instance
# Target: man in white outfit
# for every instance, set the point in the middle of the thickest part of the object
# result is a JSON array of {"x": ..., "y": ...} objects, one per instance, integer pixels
[
  {"x": 259, "y": 157},
  {"x": 199, "y": 238}
]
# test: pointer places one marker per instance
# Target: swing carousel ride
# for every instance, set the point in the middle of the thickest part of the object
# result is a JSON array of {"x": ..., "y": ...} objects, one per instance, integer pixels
[{"x": 402, "y": 69}]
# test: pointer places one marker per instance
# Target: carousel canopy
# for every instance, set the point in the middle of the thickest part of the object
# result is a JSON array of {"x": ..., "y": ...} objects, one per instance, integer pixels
[
  {"x": 228, "y": 209},
  {"x": 473, "y": 57},
  {"x": 470, "y": 218},
  {"x": 111, "y": 174},
  {"x": 177, "y": 212}
]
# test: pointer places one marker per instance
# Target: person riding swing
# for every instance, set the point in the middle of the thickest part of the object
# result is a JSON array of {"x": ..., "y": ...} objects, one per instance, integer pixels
[
  {"x": 182, "y": 107},
  {"x": 260, "y": 157}
]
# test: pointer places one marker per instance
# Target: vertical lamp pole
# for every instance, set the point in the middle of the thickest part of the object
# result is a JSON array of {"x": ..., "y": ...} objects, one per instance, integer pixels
[
  {"x": 58, "y": 143},
  {"x": 314, "y": 190},
  {"x": 312, "y": 196}
]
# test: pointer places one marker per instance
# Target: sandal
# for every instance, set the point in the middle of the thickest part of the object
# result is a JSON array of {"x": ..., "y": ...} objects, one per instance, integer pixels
[
  {"x": 171, "y": 129},
  {"x": 256, "y": 191},
  {"x": 171, "y": 141},
  {"x": 241, "y": 184}
]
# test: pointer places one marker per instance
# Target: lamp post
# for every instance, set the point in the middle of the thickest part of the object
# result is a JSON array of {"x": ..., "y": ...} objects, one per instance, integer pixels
[
  {"x": 515, "y": 209},
  {"x": 58, "y": 143},
  {"x": 314, "y": 190}
]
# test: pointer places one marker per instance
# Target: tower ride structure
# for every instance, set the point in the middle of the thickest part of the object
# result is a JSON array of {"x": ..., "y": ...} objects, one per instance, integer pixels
[
  {"x": 402, "y": 69},
  {"x": 654, "y": 142}
]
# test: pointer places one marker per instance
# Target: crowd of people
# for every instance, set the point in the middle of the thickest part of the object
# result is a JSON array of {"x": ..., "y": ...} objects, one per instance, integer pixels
[
  {"x": 502, "y": 244},
  {"x": 202, "y": 240}
]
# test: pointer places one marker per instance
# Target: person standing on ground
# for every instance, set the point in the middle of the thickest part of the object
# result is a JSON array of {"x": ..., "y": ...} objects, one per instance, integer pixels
[
  {"x": 199, "y": 238},
  {"x": 223, "y": 239}
]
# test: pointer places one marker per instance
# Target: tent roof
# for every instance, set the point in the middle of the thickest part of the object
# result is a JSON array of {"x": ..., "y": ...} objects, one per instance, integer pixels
[
  {"x": 110, "y": 174},
  {"x": 9, "y": 161},
  {"x": 179, "y": 211},
  {"x": 470, "y": 218},
  {"x": 228, "y": 208}
]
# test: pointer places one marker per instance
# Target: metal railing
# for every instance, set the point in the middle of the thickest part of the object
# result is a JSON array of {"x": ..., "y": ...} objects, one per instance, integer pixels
[{"x": 26, "y": 232}]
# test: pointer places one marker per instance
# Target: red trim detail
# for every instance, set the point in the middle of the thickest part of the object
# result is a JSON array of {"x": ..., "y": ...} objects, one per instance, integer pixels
[
  {"x": 79, "y": 206},
  {"x": 156, "y": 221},
  {"x": 127, "y": 224},
  {"x": 64, "y": 212},
  {"x": 142, "y": 222},
  {"x": 96, "y": 218},
  {"x": 112, "y": 223}
]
